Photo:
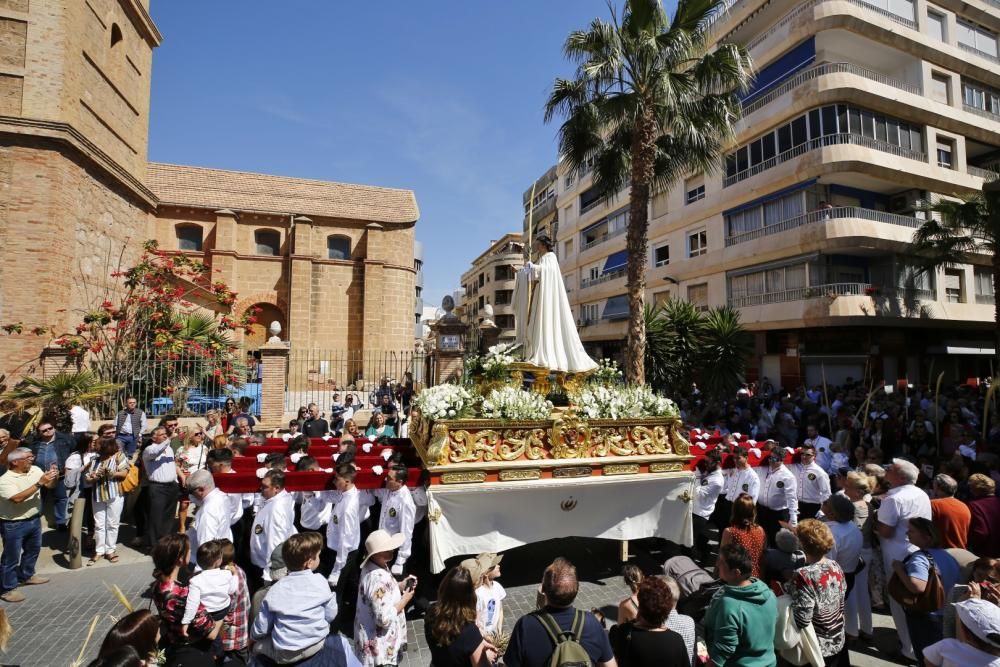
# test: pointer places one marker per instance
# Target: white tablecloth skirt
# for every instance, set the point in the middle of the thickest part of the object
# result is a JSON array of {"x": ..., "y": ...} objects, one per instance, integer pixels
[{"x": 472, "y": 519}]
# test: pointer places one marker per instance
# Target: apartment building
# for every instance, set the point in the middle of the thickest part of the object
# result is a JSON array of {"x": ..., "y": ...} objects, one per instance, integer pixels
[
  {"x": 861, "y": 110},
  {"x": 541, "y": 211},
  {"x": 490, "y": 281}
]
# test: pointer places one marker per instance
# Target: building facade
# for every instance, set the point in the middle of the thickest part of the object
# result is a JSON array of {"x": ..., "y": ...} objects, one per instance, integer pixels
[
  {"x": 490, "y": 282},
  {"x": 542, "y": 212},
  {"x": 861, "y": 110},
  {"x": 332, "y": 262}
]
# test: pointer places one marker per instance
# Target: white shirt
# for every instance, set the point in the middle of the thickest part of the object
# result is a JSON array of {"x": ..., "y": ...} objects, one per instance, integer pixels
[
  {"x": 75, "y": 464},
  {"x": 846, "y": 544},
  {"x": 955, "y": 653},
  {"x": 742, "y": 480},
  {"x": 824, "y": 457},
  {"x": 901, "y": 504},
  {"x": 489, "y": 600},
  {"x": 314, "y": 509},
  {"x": 343, "y": 530},
  {"x": 398, "y": 516},
  {"x": 707, "y": 492},
  {"x": 778, "y": 492},
  {"x": 158, "y": 460},
  {"x": 273, "y": 525},
  {"x": 812, "y": 483},
  {"x": 210, "y": 588},
  {"x": 212, "y": 521},
  {"x": 81, "y": 419}
]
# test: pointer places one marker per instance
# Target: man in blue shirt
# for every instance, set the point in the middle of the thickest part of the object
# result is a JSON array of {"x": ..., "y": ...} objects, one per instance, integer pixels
[
  {"x": 52, "y": 448},
  {"x": 530, "y": 645}
]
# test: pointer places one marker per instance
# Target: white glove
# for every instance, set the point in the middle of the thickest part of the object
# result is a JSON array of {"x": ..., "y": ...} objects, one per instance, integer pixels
[
  {"x": 397, "y": 569},
  {"x": 261, "y": 472},
  {"x": 333, "y": 579},
  {"x": 294, "y": 458},
  {"x": 366, "y": 448},
  {"x": 386, "y": 454},
  {"x": 327, "y": 436},
  {"x": 261, "y": 457},
  {"x": 755, "y": 451},
  {"x": 378, "y": 470},
  {"x": 701, "y": 445}
]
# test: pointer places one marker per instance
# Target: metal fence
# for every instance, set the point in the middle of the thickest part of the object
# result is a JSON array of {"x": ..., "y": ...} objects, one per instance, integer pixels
[{"x": 314, "y": 375}]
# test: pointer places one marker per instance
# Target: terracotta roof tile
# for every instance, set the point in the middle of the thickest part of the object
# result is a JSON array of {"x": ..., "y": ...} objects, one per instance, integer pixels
[{"x": 244, "y": 191}]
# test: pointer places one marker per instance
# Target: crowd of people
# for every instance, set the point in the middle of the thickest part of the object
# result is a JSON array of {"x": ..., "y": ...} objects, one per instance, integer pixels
[{"x": 863, "y": 500}]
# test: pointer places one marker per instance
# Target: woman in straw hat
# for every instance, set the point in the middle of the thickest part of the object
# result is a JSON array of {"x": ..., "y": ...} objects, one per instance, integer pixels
[{"x": 380, "y": 625}]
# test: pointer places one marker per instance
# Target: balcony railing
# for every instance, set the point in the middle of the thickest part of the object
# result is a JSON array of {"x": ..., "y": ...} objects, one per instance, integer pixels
[
  {"x": 814, "y": 72},
  {"x": 983, "y": 113},
  {"x": 601, "y": 239},
  {"x": 603, "y": 278},
  {"x": 985, "y": 299},
  {"x": 836, "y": 213},
  {"x": 821, "y": 142},
  {"x": 779, "y": 25},
  {"x": 828, "y": 290},
  {"x": 982, "y": 54},
  {"x": 987, "y": 175}
]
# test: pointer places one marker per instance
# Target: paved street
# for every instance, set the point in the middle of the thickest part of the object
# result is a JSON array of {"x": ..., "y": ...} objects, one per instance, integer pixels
[{"x": 50, "y": 627}]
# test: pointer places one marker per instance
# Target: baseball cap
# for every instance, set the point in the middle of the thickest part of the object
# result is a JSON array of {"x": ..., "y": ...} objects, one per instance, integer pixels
[{"x": 982, "y": 618}]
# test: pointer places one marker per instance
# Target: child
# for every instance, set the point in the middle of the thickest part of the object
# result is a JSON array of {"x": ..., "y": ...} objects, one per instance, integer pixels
[
  {"x": 234, "y": 642},
  {"x": 211, "y": 588},
  {"x": 293, "y": 431},
  {"x": 294, "y": 619},
  {"x": 489, "y": 594}
]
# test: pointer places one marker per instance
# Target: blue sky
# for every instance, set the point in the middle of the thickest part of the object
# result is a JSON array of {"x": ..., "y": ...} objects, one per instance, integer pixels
[{"x": 440, "y": 96}]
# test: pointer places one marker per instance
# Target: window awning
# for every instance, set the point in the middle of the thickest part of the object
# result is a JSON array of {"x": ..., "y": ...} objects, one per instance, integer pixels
[
  {"x": 616, "y": 261},
  {"x": 616, "y": 308}
]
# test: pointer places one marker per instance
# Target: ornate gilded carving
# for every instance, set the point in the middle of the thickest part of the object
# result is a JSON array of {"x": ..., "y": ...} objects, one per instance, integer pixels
[
  {"x": 607, "y": 441},
  {"x": 575, "y": 471},
  {"x": 680, "y": 443},
  {"x": 515, "y": 443},
  {"x": 622, "y": 469},
  {"x": 463, "y": 477},
  {"x": 666, "y": 467},
  {"x": 437, "y": 450},
  {"x": 418, "y": 429},
  {"x": 685, "y": 497},
  {"x": 649, "y": 440},
  {"x": 434, "y": 515},
  {"x": 520, "y": 474},
  {"x": 467, "y": 446},
  {"x": 570, "y": 438}
]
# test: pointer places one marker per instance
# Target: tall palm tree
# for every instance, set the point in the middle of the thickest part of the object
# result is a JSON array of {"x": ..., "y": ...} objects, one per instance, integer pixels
[
  {"x": 651, "y": 101},
  {"x": 957, "y": 230}
]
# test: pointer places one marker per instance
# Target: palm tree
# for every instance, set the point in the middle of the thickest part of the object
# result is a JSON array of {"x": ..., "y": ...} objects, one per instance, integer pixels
[
  {"x": 726, "y": 347},
  {"x": 957, "y": 230},
  {"x": 53, "y": 397},
  {"x": 650, "y": 101}
]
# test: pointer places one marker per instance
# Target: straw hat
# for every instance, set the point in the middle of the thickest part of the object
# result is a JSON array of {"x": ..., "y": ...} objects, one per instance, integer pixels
[
  {"x": 475, "y": 568},
  {"x": 381, "y": 541},
  {"x": 489, "y": 560}
]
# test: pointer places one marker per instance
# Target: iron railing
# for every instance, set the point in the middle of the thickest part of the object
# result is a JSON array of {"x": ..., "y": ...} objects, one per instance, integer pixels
[
  {"x": 982, "y": 54},
  {"x": 985, "y": 299},
  {"x": 601, "y": 239},
  {"x": 758, "y": 103},
  {"x": 836, "y": 213},
  {"x": 821, "y": 142},
  {"x": 989, "y": 115},
  {"x": 603, "y": 278},
  {"x": 827, "y": 290},
  {"x": 987, "y": 175},
  {"x": 779, "y": 25}
]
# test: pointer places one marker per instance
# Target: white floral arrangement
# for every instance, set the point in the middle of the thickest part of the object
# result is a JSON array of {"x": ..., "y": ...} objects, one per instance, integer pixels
[
  {"x": 498, "y": 359},
  {"x": 606, "y": 373},
  {"x": 444, "y": 401},
  {"x": 630, "y": 402},
  {"x": 515, "y": 403}
]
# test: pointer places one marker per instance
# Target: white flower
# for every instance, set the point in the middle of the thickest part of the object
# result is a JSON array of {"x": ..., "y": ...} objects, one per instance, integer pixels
[
  {"x": 630, "y": 402},
  {"x": 515, "y": 403}
]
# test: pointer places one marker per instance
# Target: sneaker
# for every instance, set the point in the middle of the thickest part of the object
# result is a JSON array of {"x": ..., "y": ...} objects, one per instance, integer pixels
[
  {"x": 35, "y": 581},
  {"x": 12, "y": 596}
]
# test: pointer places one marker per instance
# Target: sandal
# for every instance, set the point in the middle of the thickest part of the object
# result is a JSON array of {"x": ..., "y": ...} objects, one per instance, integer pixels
[
  {"x": 113, "y": 557},
  {"x": 93, "y": 559}
]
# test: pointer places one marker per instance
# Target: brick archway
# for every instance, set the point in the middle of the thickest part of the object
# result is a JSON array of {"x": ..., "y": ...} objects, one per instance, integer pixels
[{"x": 272, "y": 310}]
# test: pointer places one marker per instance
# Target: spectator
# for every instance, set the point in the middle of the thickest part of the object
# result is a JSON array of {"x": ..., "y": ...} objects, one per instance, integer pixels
[
  {"x": 229, "y": 412},
  {"x": 388, "y": 409},
  {"x": 377, "y": 428},
  {"x": 951, "y": 516},
  {"x": 235, "y": 629},
  {"x": 978, "y": 641},
  {"x": 190, "y": 457},
  {"x": 903, "y": 502},
  {"x": 139, "y": 630},
  {"x": 76, "y": 486},
  {"x": 314, "y": 426},
  {"x": 380, "y": 626},
  {"x": 531, "y": 645},
  {"x": 130, "y": 424},
  {"x": 646, "y": 641},
  {"x": 628, "y": 608},
  {"x": 211, "y": 588},
  {"x": 80, "y": 419},
  {"x": 450, "y": 627},
  {"x": 7, "y": 445},
  {"x": 212, "y": 426},
  {"x": 680, "y": 623},
  {"x": 781, "y": 561},
  {"x": 21, "y": 522},
  {"x": 490, "y": 594},
  {"x": 858, "y": 609},
  {"x": 170, "y": 559},
  {"x": 105, "y": 474},
  {"x": 984, "y": 527},
  {"x": 740, "y": 620},
  {"x": 818, "y": 592},
  {"x": 161, "y": 471},
  {"x": 342, "y": 414},
  {"x": 351, "y": 429},
  {"x": 215, "y": 510},
  {"x": 743, "y": 530},
  {"x": 925, "y": 628},
  {"x": 51, "y": 449},
  {"x": 241, "y": 428},
  {"x": 847, "y": 540},
  {"x": 273, "y": 524}
]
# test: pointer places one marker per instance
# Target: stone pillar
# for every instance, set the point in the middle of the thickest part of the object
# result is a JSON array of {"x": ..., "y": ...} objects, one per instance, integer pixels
[
  {"x": 223, "y": 253},
  {"x": 56, "y": 360},
  {"x": 374, "y": 296},
  {"x": 300, "y": 309},
  {"x": 449, "y": 351},
  {"x": 274, "y": 356}
]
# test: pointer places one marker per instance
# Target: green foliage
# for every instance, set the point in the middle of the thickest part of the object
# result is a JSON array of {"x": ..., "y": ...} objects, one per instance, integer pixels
[
  {"x": 53, "y": 397},
  {"x": 686, "y": 345}
]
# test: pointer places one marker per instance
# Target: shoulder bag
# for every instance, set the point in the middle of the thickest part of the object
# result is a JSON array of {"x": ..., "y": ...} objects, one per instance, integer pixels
[{"x": 932, "y": 597}]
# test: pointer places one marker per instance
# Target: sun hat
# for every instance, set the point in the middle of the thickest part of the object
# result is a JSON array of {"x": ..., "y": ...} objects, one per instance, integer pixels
[
  {"x": 982, "y": 618},
  {"x": 475, "y": 568},
  {"x": 489, "y": 560},
  {"x": 381, "y": 541}
]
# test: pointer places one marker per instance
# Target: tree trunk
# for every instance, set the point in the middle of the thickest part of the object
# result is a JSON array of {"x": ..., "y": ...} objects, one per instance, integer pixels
[
  {"x": 996, "y": 314},
  {"x": 643, "y": 155}
]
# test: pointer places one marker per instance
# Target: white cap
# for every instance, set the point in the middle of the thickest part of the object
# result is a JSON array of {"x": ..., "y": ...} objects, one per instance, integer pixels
[{"x": 982, "y": 618}]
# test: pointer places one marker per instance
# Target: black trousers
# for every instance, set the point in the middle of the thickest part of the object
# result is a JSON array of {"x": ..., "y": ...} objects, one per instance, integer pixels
[
  {"x": 722, "y": 513},
  {"x": 162, "y": 510},
  {"x": 808, "y": 510},
  {"x": 702, "y": 530},
  {"x": 768, "y": 520},
  {"x": 241, "y": 538},
  {"x": 347, "y": 593}
]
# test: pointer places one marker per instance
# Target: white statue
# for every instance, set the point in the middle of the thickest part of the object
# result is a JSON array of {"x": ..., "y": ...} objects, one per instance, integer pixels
[
  {"x": 487, "y": 317},
  {"x": 274, "y": 330},
  {"x": 544, "y": 324}
]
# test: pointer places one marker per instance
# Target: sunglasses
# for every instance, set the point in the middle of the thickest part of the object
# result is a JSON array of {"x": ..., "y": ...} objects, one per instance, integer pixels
[{"x": 46, "y": 430}]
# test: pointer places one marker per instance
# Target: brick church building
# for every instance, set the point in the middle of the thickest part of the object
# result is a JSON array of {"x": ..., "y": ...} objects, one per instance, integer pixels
[{"x": 332, "y": 262}]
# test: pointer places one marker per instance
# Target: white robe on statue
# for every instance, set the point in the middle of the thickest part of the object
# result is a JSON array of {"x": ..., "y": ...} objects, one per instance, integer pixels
[{"x": 548, "y": 332}]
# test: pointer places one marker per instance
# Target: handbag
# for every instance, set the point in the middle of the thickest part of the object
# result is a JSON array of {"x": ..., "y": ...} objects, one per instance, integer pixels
[
  {"x": 932, "y": 597},
  {"x": 799, "y": 647},
  {"x": 131, "y": 481}
]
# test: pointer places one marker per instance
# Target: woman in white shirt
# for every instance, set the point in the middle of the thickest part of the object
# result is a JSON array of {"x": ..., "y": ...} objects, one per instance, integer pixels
[
  {"x": 212, "y": 428},
  {"x": 190, "y": 457}
]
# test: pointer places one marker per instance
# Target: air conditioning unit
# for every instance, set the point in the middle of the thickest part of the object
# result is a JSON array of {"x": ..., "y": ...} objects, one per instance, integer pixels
[{"x": 906, "y": 201}]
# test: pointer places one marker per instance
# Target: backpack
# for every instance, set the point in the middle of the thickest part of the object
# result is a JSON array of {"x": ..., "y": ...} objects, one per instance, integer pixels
[{"x": 568, "y": 651}]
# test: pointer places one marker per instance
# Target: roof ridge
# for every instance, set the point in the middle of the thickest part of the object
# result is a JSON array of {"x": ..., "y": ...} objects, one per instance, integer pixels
[{"x": 299, "y": 179}]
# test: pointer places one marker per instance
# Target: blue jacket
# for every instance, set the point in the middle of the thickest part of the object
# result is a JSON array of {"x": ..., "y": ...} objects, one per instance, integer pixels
[{"x": 57, "y": 451}]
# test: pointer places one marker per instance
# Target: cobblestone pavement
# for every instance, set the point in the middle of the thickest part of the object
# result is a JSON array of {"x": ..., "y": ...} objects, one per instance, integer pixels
[{"x": 51, "y": 625}]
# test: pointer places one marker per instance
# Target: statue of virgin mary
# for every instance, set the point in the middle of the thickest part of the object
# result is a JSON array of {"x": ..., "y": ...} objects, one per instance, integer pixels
[{"x": 543, "y": 323}]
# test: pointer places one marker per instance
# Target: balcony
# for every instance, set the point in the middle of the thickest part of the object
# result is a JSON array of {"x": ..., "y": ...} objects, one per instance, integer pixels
[
  {"x": 603, "y": 278},
  {"x": 982, "y": 54},
  {"x": 987, "y": 175},
  {"x": 836, "y": 213},
  {"x": 822, "y": 142},
  {"x": 815, "y": 72},
  {"x": 985, "y": 299},
  {"x": 601, "y": 239},
  {"x": 826, "y": 291},
  {"x": 982, "y": 113}
]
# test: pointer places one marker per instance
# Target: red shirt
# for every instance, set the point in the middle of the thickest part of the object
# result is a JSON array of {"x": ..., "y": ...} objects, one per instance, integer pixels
[{"x": 951, "y": 517}]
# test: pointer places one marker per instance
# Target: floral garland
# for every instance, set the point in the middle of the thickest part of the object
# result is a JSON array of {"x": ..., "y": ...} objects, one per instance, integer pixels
[
  {"x": 516, "y": 404},
  {"x": 631, "y": 402},
  {"x": 444, "y": 401}
]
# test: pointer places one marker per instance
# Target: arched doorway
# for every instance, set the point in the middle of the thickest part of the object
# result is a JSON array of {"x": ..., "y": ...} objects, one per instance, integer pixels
[{"x": 258, "y": 334}]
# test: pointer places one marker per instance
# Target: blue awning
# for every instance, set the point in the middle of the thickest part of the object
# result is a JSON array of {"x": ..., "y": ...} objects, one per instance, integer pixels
[
  {"x": 616, "y": 261},
  {"x": 771, "y": 197},
  {"x": 616, "y": 308}
]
